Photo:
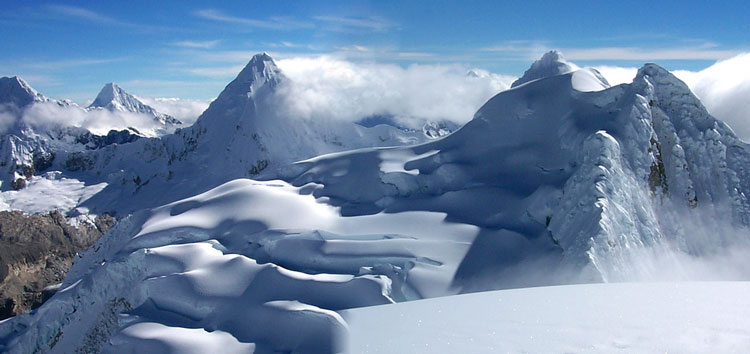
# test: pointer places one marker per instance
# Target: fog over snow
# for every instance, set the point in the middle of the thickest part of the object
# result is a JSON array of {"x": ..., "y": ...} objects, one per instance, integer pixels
[{"x": 50, "y": 114}]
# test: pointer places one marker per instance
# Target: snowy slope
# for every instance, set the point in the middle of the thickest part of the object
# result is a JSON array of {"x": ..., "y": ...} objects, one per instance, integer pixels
[
  {"x": 113, "y": 98},
  {"x": 551, "y": 63},
  {"x": 709, "y": 317},
  {"x": 564, "y": 172},
  {"x": 29, "y": 148},
  {"x": 563, "y": 179},
  {"x": 288, "y": 259},
  {"x": 241, "y": 134}
]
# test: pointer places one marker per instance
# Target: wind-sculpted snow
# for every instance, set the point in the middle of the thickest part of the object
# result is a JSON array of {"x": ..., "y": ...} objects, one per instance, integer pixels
[
  {"x": 562, "y": 179},
  {"x": 248, "y": 262},
  {"x": 564, "y": 174}
]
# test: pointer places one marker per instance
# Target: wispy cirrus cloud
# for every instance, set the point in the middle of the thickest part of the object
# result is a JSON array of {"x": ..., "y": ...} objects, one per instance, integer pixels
[
  {"x": 275, "y": 23},
  {"x": 699, "y": 51},
  {"x": 69, "y": 63},
  {"x": 84, "y": 14},
  {"x": 75, "y": 13},
  {"x": 367, "y": 23},
  {"x": 198, "y": 44}
]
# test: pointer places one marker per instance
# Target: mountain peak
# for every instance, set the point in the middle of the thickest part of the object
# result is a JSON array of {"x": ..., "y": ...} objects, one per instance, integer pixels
[
  {"x": 550, "y": 64},
  {"x": 114, "y": 98},
  {"x": 14, "y": 90},
  {"x": 111, "y": 95},
  {"x": 259, "y": 70}
]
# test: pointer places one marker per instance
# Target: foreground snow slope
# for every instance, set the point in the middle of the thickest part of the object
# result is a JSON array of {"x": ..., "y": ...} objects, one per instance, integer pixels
[
  {"x": 705, "y": 317},
  {"x": 251, "y": 262},
  {"x": 561, "y": 179}
]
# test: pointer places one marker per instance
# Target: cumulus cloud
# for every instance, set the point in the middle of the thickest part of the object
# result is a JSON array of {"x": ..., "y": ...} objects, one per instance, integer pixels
[
  {"x": 186, "y": 110},
  {"x": 334, "y": 88},
  {"x": 49, "y": 115},
  {"x": 616, "y": 75}
]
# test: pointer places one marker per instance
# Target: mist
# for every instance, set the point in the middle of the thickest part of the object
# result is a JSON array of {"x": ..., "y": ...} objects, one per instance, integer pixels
[
  {"x": 99, "y": 121},
  {"x": 185, "y": 110},
  {"x": 326, "y": 87}
]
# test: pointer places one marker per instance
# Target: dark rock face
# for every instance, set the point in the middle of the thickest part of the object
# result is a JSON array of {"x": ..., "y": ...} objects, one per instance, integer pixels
[
  {"x": 93, "y": 141},
  {"x": 36, "y": 251}
]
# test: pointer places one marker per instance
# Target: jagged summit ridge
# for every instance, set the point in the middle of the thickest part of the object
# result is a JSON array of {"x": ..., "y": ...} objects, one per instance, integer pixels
[{"x": 552, "y": 63}]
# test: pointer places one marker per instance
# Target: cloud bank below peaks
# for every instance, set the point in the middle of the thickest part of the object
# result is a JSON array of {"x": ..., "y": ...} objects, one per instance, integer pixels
[
  {"x": 326, "y": 87},
  {"x": 47, "y": 115}
]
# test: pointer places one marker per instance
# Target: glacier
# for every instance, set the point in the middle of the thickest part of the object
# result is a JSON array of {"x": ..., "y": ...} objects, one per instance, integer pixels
[{"x": 561, "y": 179}]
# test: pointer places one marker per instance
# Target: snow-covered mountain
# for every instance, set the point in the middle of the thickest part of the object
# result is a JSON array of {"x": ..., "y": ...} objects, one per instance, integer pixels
[
  {"x": 114, "y": 98},
  {"x": 241, "y": 134},
  {"x": 561, "y": 179},
  {"x": 28, "y": 148},
  {"x": 550, "y": 64},
  {"x": 16, "y": 92}
]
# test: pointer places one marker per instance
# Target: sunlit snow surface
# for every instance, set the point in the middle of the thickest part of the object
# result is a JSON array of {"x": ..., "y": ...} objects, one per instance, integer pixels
[
  {"x": 705, "y": 317},
  {"x": 554, "y": 181},
  {"x": 247, "y": 262}
]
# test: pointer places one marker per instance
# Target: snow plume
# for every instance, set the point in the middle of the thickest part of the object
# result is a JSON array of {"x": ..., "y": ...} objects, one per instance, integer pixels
[
  {"x": 328, "y": 87},
  {"x": 99, "y": 121},
  {"x": 185, "y": 110}
]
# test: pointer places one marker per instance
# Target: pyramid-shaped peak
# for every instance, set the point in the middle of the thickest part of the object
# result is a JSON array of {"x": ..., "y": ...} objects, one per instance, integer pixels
[
  {"x": 260, "y": 69},
  {"x": 14, "y": 90},
  {"x": 114, "y": 98},
  {"x": 551, "y": 63},
  {"x": 109, "y": 93}
]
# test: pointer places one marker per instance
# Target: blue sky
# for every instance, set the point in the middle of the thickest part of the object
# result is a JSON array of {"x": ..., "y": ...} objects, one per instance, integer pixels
[{"x": 193, "y": 49}]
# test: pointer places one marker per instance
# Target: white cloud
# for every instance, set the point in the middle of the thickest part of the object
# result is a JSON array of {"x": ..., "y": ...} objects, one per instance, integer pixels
[
  {"x": 275, "y": 23},
  {"x": 335, "y": 88},
  {"x": 49, "y": 114},
  {"x": 185, "y": 110},
  {"x": 198, "y": 44},
  {"x": 369, "y": 23},
  {"x": 647, "y": 54},
  {"x": 724, "y": 88},
  {"x": 534, "y": 49},
  {"x": 616, "y": 75}
]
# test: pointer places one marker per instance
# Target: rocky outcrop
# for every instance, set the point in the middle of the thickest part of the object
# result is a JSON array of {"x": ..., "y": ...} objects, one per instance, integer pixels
[{"x": 36, "y": 252}]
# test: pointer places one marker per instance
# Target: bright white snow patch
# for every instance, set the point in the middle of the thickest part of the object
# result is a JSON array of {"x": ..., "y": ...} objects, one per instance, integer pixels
[
  {"x": 710, "y": 317},
  {"x": 394, "y": 160},
  {"x": 588, "y": 80}
]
